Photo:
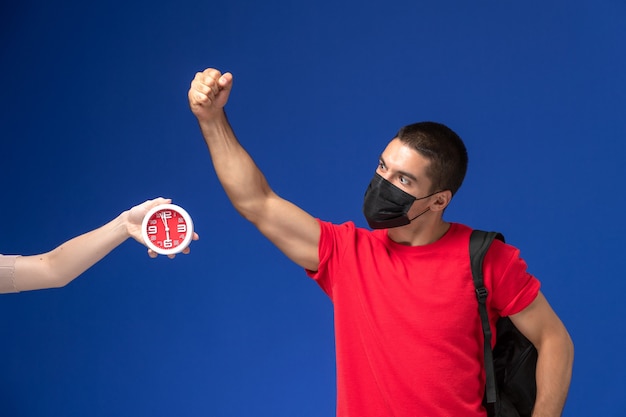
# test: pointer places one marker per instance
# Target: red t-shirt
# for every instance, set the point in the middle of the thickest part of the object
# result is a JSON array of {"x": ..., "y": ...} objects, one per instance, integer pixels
[{"x": 408, "y": 334}]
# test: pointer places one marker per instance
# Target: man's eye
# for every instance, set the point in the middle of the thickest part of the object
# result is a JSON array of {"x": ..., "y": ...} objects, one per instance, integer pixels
[
  {"x": 381, "y": 165},
  {"x": 404, "y": 180}
]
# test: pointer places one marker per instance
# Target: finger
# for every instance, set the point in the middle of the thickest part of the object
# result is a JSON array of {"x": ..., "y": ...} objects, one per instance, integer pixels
[
  {"x": 215, "y": 81},
  {"x": 152, "y": 253},
  {"x": 196, "y": 96},
  {"x": 202, "y": 91},
  {"x": 200, "y": 85},
  {"x": 213, "y": 87},
  {"x": 158, "y": 201},
  {"x": 207, "y": 81},
  {"x": 225, "y": 82},
  {"x": 138, "y": 212},
  {"x": 210, "y": 74}
]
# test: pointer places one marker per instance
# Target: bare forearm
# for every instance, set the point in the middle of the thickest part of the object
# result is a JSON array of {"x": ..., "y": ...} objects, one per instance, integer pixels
[
  {"x": 70, "y": 259},
  {"x": 242, "y": 180},
  {"x": 554, "y": 373}
]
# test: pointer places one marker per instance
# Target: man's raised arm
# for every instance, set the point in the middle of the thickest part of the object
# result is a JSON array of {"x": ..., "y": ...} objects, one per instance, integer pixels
[{"x": 292, "y": 230}]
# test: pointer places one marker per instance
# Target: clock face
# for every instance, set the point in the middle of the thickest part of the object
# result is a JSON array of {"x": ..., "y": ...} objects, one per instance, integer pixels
[{"x": 167, "y": 229}]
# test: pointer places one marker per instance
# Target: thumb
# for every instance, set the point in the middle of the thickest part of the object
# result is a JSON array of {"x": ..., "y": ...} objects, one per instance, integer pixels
[{"x": 225, "y": 82}]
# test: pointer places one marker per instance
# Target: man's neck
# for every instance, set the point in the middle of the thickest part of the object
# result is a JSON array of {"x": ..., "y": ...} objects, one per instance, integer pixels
[{"x": 419, "y": 234}]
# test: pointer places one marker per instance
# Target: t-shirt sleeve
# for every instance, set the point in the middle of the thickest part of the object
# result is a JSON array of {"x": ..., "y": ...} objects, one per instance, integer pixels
[
  {"x": 330, "y": 254},
  {"x": 513, "y": 287},
  {"x": 7, "y": 270}
]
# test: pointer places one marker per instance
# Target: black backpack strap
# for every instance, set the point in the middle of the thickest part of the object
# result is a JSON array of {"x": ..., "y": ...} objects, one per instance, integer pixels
[{"x": 479, "y": 244}]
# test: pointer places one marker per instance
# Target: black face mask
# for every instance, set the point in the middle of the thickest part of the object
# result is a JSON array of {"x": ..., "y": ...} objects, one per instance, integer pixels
[{"x": 386, "y": 206}]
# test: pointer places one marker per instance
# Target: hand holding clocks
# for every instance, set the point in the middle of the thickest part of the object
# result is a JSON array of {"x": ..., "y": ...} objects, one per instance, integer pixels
[{"x": 167, "y": 229}]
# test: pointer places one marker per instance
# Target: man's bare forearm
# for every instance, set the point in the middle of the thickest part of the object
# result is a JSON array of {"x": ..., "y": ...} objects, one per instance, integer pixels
[
  {"x": 242, "y": 180},
  {"x": 554, "y": 373}
]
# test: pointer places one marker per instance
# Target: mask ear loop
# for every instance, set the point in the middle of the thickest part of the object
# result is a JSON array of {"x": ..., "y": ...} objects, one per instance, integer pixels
[
  {"x": 421, "y": 198},
  {"x": 419, "y": 214}
]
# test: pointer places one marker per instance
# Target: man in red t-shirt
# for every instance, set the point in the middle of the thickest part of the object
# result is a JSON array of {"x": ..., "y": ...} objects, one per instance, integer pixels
[{"x": 408, "y": 335}]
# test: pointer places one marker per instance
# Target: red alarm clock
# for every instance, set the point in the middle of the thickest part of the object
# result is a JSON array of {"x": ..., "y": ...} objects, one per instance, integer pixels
[{"x": 167, "y": 229}]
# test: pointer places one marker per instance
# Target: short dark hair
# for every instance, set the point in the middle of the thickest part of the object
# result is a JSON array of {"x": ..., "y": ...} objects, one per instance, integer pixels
[{"x": 445, "y": 150}]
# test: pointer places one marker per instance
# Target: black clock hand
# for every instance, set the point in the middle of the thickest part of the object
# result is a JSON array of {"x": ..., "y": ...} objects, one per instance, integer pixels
[{"x": 167, "y": 228}]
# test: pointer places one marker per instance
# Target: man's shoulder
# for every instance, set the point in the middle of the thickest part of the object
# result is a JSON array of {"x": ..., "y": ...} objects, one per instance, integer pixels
[
  {"x": 350, "y": 230},
  {"x": 347, "y": 225},
  {"x": 460, "y": 228},
  {"x": 458, "y": 233}
]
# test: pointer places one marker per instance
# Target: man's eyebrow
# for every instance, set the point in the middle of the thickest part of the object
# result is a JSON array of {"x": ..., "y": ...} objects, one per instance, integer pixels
[{"x": 403, "y": 173}]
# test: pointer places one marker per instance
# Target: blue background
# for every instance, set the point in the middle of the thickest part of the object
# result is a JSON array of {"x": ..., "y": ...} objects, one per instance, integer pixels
[{"x": 94, "y": 119}]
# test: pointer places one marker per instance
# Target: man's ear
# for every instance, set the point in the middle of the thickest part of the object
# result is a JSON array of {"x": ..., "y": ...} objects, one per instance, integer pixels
[{"x": 441, "y": 201}]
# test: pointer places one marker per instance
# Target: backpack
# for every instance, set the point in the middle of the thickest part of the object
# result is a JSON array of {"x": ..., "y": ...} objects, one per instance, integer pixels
[{"x": 510, "y": 388}]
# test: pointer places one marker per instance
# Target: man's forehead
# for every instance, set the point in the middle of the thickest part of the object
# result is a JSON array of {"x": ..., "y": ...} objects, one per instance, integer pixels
[{"x": 400, "y": 154}]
